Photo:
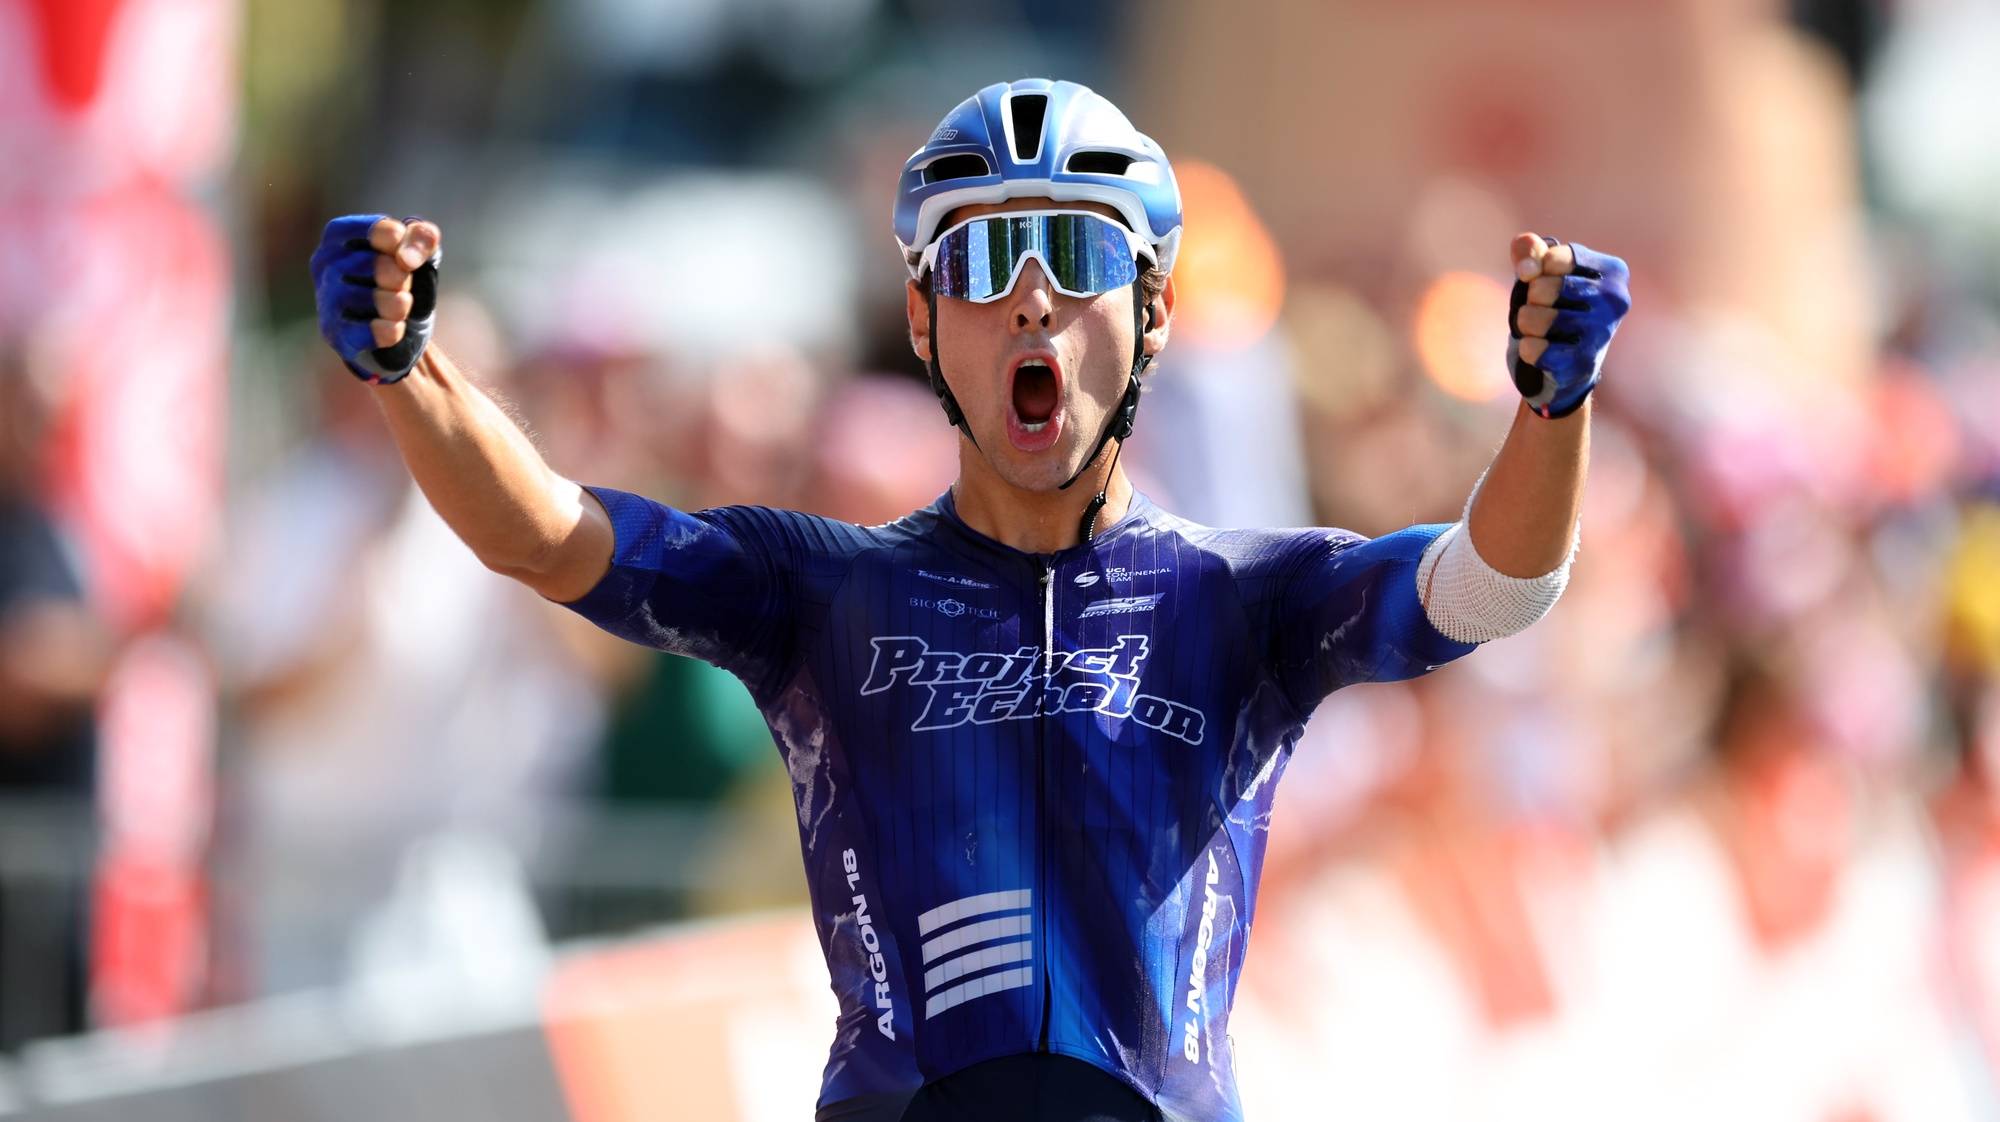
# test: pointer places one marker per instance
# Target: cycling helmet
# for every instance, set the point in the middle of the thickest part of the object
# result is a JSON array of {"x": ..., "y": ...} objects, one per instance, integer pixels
[{"x": 1037, "y": 137}]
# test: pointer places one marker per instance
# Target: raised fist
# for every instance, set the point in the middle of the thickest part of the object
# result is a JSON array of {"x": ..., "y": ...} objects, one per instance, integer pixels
[
  {"x": 375, "y": 282},
  {"x": 1566, "y": 306}
]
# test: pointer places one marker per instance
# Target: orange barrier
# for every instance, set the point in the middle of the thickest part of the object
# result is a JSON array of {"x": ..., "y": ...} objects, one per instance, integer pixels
[{"x": 726, "y": 1023}]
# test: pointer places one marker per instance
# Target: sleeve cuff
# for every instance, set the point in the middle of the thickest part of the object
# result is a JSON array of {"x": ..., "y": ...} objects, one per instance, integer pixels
[{"x": 627, "y": 580}]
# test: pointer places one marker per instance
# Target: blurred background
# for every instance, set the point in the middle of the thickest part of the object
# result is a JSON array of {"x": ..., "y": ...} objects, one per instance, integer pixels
[{"x": 304, "y": 814}]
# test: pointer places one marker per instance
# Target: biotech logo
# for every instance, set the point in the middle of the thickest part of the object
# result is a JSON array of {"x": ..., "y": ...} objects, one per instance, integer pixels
[
  {"x": 951, "y": 608},
  {"x": 985, "y": 688}
]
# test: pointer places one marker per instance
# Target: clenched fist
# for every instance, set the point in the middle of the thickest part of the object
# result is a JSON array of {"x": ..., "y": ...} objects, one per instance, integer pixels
[
  {"x": 1566, "y": 306},
  {"x": 375, "y": 281}
]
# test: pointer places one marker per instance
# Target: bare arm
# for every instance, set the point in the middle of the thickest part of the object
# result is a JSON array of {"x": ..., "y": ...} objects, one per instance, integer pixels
[
  {"x": 490, "y": 484},
  {"x": 1524, "y": 518},
  {"x": 483, "y": 475}
]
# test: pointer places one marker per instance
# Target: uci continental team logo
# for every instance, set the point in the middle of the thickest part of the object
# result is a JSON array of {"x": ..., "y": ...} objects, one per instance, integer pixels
[
  {"x": 1116, "y": 574},
  {"x": 985, "y": 688}
]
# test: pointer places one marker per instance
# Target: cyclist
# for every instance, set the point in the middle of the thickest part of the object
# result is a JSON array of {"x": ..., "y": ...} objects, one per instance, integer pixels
[{"x": 1033, "y": 730}]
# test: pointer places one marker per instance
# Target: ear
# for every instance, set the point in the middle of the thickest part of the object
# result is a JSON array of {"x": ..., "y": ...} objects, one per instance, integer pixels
[
  {"x": 919, "y": 313},
  {"x": 1160, "y": 318}
]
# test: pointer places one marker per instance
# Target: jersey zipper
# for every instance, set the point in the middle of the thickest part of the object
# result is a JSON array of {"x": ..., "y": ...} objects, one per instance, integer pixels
[{"x": 1041, "y": 796}]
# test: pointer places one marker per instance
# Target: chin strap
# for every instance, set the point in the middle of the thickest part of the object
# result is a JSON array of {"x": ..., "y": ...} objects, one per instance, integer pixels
[
  {"x": 1087, "y": 529},
  {"x": 1120, "y": 425},
  {"x": 952, "y": 412}
]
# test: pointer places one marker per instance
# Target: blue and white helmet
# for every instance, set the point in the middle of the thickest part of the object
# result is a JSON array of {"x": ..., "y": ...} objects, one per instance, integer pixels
[{"x": 1037, "y": 137}]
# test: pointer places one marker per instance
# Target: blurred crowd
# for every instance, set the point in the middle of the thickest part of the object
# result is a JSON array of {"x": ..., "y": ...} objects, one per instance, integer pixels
[{"x": 1718, "y": 838}]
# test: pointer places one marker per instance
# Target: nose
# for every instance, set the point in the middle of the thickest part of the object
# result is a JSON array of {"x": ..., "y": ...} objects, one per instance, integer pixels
[{"x": 1031, "y": 306}]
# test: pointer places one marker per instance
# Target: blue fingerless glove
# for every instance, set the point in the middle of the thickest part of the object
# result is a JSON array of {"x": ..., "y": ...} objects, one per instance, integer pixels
[
  {"x": 343, "y": 272},
  {"x": 1593, "y": 300}
]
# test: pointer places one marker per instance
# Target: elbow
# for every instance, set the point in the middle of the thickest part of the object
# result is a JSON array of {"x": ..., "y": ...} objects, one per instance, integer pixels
[
  {"x": 526, "y": 566},
  {"x": 524, "y": 571},
  {"x": 562, "y": 556},
  {"x": 562, "y": 570},
  {"x": 539, "y": 577},
  {"x": 1469, "y": 601},
  {"x": 523, "y": 557}
]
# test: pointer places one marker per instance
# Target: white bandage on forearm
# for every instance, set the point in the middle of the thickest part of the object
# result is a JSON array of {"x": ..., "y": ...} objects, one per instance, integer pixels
[{"x": 1471, "y": 601}]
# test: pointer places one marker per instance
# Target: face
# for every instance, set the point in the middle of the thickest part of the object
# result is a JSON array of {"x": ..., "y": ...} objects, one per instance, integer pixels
[{"x": 1036, "y": 425}]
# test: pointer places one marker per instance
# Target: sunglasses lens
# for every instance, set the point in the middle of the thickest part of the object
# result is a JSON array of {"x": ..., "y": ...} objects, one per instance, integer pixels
[{"x": 1084, "y": 254}]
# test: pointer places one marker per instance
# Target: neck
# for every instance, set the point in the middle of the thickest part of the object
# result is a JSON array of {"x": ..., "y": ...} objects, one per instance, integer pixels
[{"x": 1036, "y": 521}]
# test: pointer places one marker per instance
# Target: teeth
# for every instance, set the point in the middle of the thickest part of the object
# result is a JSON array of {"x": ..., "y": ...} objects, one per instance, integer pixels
[
  {"x": 1036, "y": 364},
  {"x": 1034, "y": 427}
]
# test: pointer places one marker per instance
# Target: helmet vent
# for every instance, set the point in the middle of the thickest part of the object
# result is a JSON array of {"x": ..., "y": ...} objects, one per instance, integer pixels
[
  {"x": 1098, "y": 163},
  {"x": 1027, "y": 111},
  {"x": 964, "y": 166}
]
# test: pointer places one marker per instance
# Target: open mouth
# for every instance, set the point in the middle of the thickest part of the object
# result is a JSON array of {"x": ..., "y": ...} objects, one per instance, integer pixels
[
  {"x": 1035, "y": 412},
  {"x": 1034, "y": 395}
]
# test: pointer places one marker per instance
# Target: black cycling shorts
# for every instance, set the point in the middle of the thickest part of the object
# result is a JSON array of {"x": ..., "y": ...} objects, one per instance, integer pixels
[{"x": 1033, "y": 1087}]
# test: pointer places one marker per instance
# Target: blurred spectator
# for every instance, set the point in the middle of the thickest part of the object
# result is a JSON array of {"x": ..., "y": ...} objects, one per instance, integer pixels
[
  {"x": 1446, "y": 929},
  {"x": 387, "y": 691},
  {"x": 54, "y": 654},
  {"x": 1967, "y": 808},
  {"x": 880, "y": 450},
  {"x": 683, "y": 748},
  {"x": 1766, "y": 945},
  {"x": 1220, "y": 444}
]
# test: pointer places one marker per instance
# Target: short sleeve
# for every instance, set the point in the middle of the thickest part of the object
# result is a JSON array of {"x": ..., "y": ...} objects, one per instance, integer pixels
[
  {"x": 711, "y": 585},
  {"x": 1350, "y": 613}
]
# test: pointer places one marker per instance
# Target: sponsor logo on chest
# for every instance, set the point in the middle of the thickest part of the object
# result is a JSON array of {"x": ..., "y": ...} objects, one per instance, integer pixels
[
  {"x": 959, "y": 580},
  {"x": 1121, "y": 606},
  {"x": 984, "y": 687},
  {"x": 951, "y": 607},
  {"x": 1116, "y": 574}
]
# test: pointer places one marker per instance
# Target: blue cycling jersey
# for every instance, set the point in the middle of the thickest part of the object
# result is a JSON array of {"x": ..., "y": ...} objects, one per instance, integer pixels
[{"x": 1032, "y": 790}]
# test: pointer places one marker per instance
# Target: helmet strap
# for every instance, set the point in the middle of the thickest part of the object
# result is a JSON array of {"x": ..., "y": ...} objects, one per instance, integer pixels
[
  {"x": 952, "y": 412},
  {"x": 1087, "y": 529},
  {"x": 1119, "y": 426}
]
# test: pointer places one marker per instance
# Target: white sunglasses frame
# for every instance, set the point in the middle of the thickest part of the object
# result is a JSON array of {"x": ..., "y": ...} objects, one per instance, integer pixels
[{"x": 927, "y": 263}]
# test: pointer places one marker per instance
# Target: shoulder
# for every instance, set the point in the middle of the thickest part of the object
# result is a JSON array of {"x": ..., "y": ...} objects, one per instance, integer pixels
[
  {"x": 795, "y": 539},
  {"x": 1254, "y": 552}
]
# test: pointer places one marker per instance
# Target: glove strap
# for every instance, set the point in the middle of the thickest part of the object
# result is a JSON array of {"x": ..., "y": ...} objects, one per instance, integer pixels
[{"x": 385, "y": 366}]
